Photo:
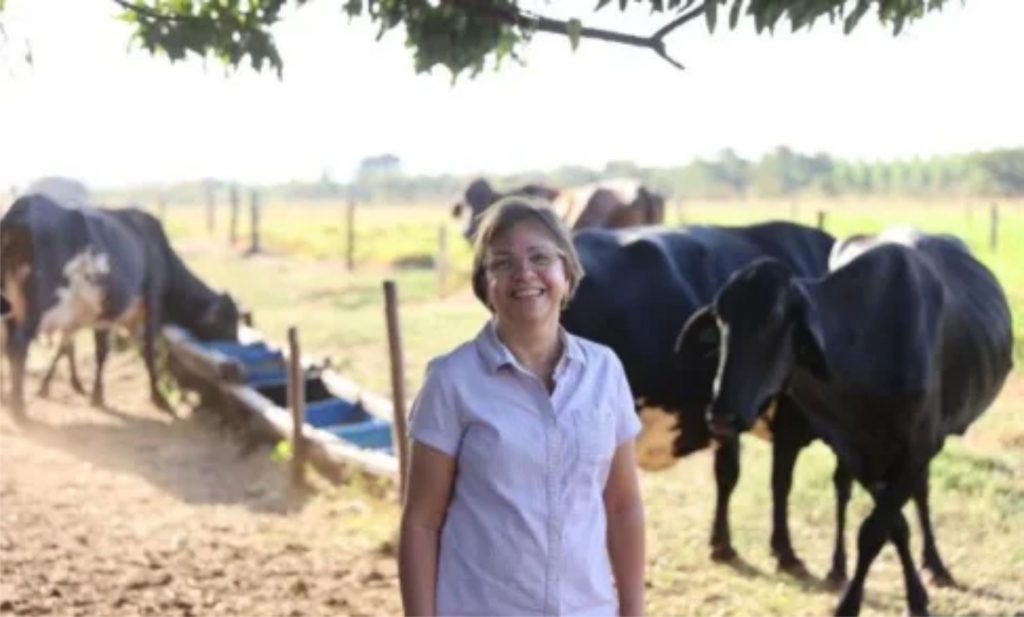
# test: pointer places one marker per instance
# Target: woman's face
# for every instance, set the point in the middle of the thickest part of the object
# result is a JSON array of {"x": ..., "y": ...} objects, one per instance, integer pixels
[{"x": 526, "y": 279}]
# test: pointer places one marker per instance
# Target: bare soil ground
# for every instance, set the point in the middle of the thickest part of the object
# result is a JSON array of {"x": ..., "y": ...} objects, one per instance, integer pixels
[{"x": 125, "y": 511}]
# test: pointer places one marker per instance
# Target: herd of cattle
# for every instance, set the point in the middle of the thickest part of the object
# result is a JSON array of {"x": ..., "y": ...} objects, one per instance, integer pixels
[{"x": 881, "y": 346}]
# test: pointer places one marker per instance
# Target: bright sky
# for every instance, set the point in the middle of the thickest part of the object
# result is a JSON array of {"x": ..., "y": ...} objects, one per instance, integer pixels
[{"x": 89, "y": 109}]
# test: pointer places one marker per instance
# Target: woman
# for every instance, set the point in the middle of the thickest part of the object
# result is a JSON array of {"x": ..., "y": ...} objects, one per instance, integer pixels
[{"x": 523, "y": 495}]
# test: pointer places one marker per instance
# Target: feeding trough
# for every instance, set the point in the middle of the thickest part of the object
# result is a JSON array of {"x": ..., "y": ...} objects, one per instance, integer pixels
[{"x": 344, "y": 425}]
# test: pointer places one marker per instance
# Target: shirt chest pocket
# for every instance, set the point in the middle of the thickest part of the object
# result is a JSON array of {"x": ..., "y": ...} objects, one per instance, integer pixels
[{"x": 595, "y": 434}]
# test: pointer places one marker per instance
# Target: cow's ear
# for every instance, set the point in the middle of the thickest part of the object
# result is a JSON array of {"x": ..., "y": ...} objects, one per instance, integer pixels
[
  {"x": 808, "y": 335},
  {"x": 698, "y": 344}
]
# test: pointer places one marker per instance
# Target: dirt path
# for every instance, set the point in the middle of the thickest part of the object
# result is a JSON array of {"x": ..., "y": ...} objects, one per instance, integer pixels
[{"x": 126, "y": 511}]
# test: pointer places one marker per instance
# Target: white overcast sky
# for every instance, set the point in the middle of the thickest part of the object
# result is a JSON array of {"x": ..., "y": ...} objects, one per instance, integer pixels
[{"x": 86, "y": 107}]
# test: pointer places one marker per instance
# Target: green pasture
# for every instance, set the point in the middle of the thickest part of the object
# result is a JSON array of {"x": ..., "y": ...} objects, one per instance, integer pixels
[{"x": 977, "y": 482}]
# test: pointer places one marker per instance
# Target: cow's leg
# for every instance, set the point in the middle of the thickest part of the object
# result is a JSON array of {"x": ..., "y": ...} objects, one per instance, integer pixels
[
  {"x": 932, "y": 561},
  {"x": 784, "y": 453},
  {"x": 917, "y": 597},
  {"x": 62, "y": 350},
  {"x": 102, "y": 340},
  {"x": 17, "y": 350},
  {"x": 149, "y": 354},
  {"x": 878, "y": 527},
  {"x": 790, "y": 435},
  {"x": 727, "y": 472},
  {"x": 843, "y": 482},
  {"x": 76, "y": 383}
]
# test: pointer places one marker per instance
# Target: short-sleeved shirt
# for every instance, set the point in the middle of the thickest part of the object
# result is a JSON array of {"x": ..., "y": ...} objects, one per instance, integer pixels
[{"x": 525, "y": 531}]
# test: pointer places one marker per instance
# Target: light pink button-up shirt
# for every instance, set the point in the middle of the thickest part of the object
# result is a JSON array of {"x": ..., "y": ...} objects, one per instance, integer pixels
[{"x": 525, "y": 531}]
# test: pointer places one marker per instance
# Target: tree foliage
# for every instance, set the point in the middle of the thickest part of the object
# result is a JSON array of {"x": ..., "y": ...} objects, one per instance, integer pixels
[{"x": 463, "y": 35}]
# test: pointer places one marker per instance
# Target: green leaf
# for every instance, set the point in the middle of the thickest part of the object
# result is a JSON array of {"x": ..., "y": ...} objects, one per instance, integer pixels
[
  {"x": 711, "y": 14},
  {"x": 858, "y": 12},
  {"x": 574, "y": 29},
  {"x": 734, "y": 14}
]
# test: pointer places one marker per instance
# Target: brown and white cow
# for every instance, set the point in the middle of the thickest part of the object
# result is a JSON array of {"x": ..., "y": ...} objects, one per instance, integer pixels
[{"x": 608, "y": 204}]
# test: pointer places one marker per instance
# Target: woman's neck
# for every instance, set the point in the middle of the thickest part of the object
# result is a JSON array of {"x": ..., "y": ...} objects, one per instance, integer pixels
[{"x": 537, "y": 347}]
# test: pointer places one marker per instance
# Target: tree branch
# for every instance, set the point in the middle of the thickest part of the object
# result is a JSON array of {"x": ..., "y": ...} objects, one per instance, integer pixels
[
  {"x": 141, "y": 9},
  {"x": 515, "y": 17}
]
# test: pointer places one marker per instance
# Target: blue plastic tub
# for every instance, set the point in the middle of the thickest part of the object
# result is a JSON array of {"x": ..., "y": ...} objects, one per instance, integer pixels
[{"x": 373, "y": 434}]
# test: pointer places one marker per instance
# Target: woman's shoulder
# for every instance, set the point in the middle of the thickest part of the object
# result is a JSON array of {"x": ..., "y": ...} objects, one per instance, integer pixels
[
  {"x": 459, "y": 360},
  {"x": 593, "y": 351}
]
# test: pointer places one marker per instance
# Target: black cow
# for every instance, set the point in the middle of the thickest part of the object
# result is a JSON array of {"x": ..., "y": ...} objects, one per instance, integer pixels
[
  {"x": 66, "y": 269},
  {"x": 886, "y": 356},
  {"x": 640, "y": 288}
]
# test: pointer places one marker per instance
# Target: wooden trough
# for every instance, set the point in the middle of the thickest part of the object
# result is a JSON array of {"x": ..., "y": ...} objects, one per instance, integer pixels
[{"x": 346, "y": 428}]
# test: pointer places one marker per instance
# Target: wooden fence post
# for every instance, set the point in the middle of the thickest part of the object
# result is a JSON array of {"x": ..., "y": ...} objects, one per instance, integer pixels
[
  {"x": 442, "y": 259},
  {"x": 993, "y": 231},
  {"x": 233, "y": 220},
  {"x": 821, "y": 219},
  {"x": 297, "y": 402},
  {"x": 350, "y": 235},
  {"x": 209, "y": 210},
  {"x": 254, "y": 225},
  {"x": 399, "y": 430}
]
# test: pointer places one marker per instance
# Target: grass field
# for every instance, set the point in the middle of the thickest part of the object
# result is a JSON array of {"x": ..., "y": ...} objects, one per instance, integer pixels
[{"x": 978, "y": 481}]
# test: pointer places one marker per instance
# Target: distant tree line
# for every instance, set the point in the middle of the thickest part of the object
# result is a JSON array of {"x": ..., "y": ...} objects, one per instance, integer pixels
[{"x": 780, "y": 174}]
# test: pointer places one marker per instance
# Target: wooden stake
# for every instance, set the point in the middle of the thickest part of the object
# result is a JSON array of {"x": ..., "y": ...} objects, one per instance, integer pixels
[
  {"x": 350, "y": 235},
  {"x": 297, "y": 402},
  {"x": 442, "y": 259},
  {"x": 254, "y": 225},
  {"x": 233, "y": 220},
  {"x": 399, "y": 432},
  {"x": 993, "y": 231}
]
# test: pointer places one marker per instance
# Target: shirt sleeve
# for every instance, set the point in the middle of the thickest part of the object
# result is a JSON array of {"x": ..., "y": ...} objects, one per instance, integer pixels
[
  {"x": 434, "y": 420},
  {"x": 627, "y": 424}
]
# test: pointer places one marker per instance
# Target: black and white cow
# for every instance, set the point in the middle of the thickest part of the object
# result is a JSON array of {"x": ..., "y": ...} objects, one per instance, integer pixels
[
  {"x": 640, "y": 288},
  {"x": 898, "y": 348},
  {"x": 71, "y": 268}
]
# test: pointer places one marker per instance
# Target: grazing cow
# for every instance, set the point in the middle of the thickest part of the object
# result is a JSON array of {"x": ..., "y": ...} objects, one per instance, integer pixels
[
  {"x": 65, "y": 269},
  {"x": 608, "y": 204},
  {"x": 898, "y": 348},
  {"x": 641, "y": 287}
]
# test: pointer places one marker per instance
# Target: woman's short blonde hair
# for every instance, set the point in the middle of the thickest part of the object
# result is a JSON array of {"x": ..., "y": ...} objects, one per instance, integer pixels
[{"x": 505, "y": 214}]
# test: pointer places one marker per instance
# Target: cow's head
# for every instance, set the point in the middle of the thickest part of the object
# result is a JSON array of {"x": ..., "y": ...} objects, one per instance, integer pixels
[
  {"x": 765, "y": 325},
  {"x": 478, "y": 197},
  {"x": 652, "y": 205},
  {"x": 219, "y": 321}
]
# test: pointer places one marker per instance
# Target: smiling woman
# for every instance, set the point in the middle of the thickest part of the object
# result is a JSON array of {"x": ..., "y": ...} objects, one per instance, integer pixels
[{"x": 523, "y": 448}]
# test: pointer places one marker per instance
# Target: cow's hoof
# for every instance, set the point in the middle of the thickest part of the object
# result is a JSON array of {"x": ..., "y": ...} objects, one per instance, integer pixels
[
  {"x": 940, "y": 577},
  {"x": 723, "y": 553},
  {"x": 793, "y": 566},
  {"x": 44, "y": 392},
  {"x": 97, "y": 401},
  {"x": 835, "y": 579},
  {"x": 77, "y": 387}
]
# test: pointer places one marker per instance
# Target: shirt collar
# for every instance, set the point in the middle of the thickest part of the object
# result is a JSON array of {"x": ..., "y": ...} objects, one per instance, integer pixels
[{"x": 495, "y": 354}]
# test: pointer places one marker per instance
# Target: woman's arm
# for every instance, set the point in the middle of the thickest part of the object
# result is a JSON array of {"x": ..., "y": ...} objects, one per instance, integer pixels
[
  {"x": 625, "y": 512},
  {"x": 431, "y": 474}
]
